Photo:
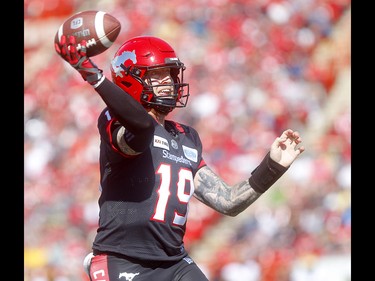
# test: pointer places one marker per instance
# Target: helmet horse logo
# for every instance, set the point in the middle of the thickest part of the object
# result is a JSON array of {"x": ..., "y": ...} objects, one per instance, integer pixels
[
  {"x": 118, "y": 62},
  {"x": 128, "y": 276}
]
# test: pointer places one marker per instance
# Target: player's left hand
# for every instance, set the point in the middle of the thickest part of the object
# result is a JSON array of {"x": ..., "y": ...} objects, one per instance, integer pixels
[{"x": 285, "y": 149}]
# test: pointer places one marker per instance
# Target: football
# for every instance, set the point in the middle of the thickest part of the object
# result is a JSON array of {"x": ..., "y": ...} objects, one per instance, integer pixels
[{"x": 98, "y": 28}]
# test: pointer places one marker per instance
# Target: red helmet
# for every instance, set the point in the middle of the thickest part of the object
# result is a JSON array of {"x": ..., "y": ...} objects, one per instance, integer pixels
[{"x": 140, "y": 54}]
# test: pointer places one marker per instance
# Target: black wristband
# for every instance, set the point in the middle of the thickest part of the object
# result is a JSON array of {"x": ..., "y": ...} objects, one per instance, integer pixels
[{"x": 266, "y": 174}]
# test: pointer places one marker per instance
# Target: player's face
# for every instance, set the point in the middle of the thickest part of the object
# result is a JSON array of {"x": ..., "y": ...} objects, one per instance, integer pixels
[{"x": 162, "y": 82}]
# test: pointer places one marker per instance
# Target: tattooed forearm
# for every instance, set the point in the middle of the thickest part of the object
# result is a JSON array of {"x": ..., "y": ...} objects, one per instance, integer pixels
[{"x": 214, "y": 192}]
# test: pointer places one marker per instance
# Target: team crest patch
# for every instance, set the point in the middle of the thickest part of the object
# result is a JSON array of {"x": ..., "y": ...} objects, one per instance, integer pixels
[
  {"x": 190, "y": 153},
  {"x": 174, "y": 144},
  {"x": 161, "y": 142}
]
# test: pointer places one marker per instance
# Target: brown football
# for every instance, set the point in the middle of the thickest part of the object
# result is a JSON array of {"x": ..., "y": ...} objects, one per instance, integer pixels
[{"x": 98, "y": 28}]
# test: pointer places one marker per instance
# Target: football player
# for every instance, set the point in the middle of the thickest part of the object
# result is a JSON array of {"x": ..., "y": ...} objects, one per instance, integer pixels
[{"x": 151, "y": 166}]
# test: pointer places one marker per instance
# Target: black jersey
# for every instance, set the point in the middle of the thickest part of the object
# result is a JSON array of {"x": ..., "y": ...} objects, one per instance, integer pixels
[{"x": 144, "y": 198}]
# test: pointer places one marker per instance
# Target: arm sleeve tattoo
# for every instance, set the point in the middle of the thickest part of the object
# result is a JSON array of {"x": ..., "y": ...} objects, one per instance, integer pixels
[{"x": 215, "y": 193}]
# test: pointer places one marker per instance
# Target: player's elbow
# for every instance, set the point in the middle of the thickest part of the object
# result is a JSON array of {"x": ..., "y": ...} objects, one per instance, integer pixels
[
  {"x": 231, "y": 211},
  {"x": 142, "y": 140}
]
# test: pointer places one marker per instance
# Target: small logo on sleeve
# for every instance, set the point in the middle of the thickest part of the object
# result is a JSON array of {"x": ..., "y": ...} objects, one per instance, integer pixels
[{"x": 188, "y": 260}]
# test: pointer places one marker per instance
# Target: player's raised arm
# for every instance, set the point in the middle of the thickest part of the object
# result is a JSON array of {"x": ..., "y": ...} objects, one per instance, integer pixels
[
  {"x": 129, "y": 112},
  {"x": 211, "y": 189}
]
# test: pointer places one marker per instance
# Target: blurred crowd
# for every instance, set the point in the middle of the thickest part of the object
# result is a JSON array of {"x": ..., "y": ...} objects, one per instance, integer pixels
[{"x": 255, "y": 68}]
